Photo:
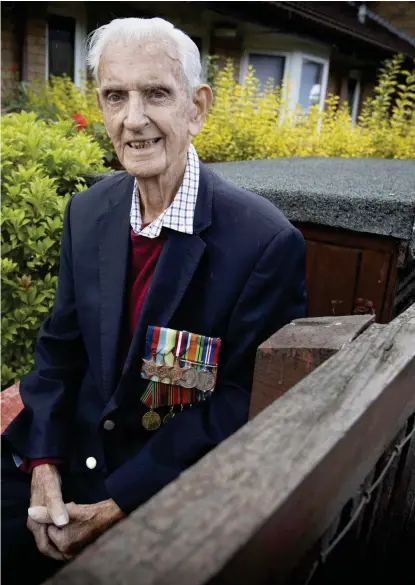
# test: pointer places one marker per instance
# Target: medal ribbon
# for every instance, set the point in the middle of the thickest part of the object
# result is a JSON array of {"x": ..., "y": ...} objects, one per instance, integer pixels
[{"x": 165, "y": 346}]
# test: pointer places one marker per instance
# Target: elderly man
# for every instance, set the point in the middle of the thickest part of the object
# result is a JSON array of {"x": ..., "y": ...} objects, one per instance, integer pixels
[{"x": 167, "y": 250}]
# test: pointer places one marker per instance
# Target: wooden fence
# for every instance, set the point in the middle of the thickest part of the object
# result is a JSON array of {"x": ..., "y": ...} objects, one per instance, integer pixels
[{"x": 311, "y": 490}]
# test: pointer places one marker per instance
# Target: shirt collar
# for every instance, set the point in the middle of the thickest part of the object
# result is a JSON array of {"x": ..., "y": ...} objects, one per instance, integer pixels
[{"x": 179, "y": 216}]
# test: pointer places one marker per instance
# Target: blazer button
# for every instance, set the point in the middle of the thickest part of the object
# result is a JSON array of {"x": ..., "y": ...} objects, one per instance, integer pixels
[
  {"x": 91, "y": 462},
  {"x": 109, "y": 425}
]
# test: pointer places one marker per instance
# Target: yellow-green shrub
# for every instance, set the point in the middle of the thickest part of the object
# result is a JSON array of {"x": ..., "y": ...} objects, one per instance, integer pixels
[
  {"x": 61, "y": 98},
  {"x": 42, "y": 163},
  {"x": 247, "y": 123}
]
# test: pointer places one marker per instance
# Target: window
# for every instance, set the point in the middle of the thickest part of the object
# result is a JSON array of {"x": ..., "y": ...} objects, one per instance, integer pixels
[
  {"x": 61, "y": 45},
  {"x": 266, "y": 67},
  {"x": 310, "y": 84},
  {"x": 353, "y": 94}
]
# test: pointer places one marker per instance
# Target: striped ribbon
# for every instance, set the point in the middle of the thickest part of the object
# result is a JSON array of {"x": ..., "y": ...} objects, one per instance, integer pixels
[{"x": 165, "y": 346}]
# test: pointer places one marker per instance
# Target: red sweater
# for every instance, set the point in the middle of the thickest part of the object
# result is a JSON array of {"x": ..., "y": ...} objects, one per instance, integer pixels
[{"x": 144, "y": 254}]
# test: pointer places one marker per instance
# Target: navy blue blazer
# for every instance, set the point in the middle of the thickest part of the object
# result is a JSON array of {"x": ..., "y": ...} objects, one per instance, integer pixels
[{"x": 240, "y": 277}]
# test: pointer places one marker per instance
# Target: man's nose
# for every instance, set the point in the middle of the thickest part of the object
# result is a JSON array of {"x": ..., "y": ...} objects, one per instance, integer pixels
[{"x": 135, "y": 118}]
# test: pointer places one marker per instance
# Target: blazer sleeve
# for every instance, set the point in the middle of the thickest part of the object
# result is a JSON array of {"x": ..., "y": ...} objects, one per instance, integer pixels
[
  {"x": 274, "y": 295},
  {"x": 49, "y": 391}
]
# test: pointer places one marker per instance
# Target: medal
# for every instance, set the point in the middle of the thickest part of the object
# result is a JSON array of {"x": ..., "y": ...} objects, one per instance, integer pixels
[
  {"x": 151, "y": 420},
  {"x": 176, "y": 373},
  {"x": 150, "y": 368},
  {"x": 205, "y": 381},
  {"x": 189, "y": 378},
  {"x": 169, "y": 415},
  {"x": 164, "y": 372}
]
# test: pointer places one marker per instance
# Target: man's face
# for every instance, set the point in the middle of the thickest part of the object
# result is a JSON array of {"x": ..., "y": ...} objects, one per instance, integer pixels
[{"x": 147, "y": 110}]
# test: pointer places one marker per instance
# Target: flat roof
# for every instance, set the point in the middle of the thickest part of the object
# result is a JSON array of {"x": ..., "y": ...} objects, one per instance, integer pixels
[{"x": 375, "y": 196}]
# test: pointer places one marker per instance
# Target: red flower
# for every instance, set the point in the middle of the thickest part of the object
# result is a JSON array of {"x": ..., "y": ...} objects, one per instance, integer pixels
[
  {"x": 14, "y": 68},
  {"x": 81, "y": 121}
]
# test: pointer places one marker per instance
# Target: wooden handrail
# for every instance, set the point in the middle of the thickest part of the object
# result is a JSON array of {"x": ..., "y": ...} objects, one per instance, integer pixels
[{"x": 250, "y": 509}]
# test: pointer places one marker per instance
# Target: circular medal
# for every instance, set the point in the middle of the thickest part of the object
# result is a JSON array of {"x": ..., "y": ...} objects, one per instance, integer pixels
[
  {"x": 169, "y": 416},
  {"x": 205, "y": 381},
  {"x": 189, "y": 378},
  {"x": 151, "y": 420},
  {"x": 150, "y": 368}
]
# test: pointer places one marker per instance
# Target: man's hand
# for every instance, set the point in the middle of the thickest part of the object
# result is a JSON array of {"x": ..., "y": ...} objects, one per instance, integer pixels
[
  {"x": 86, "y": 523},
  {"x": 46, "y": 491}
]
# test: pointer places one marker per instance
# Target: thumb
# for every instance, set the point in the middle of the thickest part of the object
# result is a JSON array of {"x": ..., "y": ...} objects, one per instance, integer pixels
[
  {"x": 42, "y": 515},
  {"x": 57, "y": 509}
]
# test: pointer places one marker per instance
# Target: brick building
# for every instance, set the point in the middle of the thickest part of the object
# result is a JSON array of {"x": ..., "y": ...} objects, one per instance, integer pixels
[{"x": 321, "y": 47}]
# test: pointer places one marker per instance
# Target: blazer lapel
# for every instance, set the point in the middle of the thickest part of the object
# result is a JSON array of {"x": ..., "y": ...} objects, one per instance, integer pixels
[
  {"x": 177, "y": 264},
  {"x": 114, "y": 234}
]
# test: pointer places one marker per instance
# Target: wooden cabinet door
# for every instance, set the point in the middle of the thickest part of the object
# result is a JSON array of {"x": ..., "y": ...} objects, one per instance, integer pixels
[{"x": 331, "y": 279}]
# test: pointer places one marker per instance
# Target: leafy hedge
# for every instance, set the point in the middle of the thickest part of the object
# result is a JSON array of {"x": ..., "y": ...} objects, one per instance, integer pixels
[
  {"x": 247, "y": 123},
  {"x": 41, "y": 165}
]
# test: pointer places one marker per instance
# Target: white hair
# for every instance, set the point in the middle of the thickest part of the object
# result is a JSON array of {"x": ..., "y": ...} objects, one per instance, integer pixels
[{"x": 138, "y": 29}]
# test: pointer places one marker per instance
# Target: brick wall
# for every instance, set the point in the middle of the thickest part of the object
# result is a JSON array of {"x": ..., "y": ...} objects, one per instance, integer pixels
[
  {"x": 36, "y": 50},
  {"x": 400, "y": 14},
  {"x": 10, "y": 61}
]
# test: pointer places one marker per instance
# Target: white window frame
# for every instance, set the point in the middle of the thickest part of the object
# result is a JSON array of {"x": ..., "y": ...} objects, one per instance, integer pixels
[
  {"x": 77, "y": 12},
  {"x": 292, "y": 71},
  {"x": 356, "y": 97},
  {"x": 243, "y": 69},
  {"x": 297, "y": 60}
]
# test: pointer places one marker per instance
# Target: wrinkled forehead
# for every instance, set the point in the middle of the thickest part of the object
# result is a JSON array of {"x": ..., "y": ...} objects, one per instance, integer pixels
[{"x": 156, "y": 59}]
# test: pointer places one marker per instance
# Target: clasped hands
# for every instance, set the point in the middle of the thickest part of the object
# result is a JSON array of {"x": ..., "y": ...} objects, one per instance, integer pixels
[{"x": 63, "y": 530}]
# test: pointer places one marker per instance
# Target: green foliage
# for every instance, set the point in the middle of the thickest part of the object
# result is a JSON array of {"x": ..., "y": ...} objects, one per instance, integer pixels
[
  {"x": 60, "y": 98},
  {"x": 247, "y": 122},
  {"x": 41, "y": 166}
]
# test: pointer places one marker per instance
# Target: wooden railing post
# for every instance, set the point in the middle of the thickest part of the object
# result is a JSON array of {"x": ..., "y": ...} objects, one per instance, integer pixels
[{"x": 296, "y": 350}]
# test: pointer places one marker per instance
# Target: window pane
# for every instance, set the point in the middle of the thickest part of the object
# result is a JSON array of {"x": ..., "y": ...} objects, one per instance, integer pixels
[
  {"x": 310, "y": 88},
  {"x": 61, "y": 45},
  {"x": 267, "y": 66}
]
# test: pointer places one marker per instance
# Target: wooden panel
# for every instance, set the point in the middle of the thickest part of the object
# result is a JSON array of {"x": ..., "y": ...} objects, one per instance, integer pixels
[
  {"x": 248, "y": 511},
  {"x": 331, "y": 277},
  {"x": 296, "y": 350},
  {"x": 373, "y": 280},
  {"x": 349, "y": 239}
]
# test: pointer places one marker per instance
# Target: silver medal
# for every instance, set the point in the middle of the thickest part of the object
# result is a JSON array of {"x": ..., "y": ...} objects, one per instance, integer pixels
[
  {"x": 205, "y": 381},
  {"x": 189, "y": 378}
]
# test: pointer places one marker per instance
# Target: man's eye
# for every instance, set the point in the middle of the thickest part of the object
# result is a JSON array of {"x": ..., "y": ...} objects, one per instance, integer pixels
[
  {"x": 114, "y": 98},
  {"x": 158, "y": 94}
]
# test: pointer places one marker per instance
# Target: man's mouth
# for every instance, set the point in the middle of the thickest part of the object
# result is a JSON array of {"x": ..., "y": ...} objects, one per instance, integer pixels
[{"x": 142, "y": 144}]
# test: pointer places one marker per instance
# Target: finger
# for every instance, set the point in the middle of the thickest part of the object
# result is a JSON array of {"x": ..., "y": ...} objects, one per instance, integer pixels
[
  {"x": 44, "y": 545},
  {"x": 60, "y": 538},
  {"x": 40, "y": 514},
  {"x": 57, "y": 508}
]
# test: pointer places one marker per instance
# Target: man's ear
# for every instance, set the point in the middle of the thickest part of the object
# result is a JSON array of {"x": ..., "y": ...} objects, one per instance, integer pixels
[{"x": 202, "y": 101}]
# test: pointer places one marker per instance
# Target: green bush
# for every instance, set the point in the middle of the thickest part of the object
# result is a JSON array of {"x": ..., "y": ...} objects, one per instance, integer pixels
[
  {"x": 247, "y": 122},
  {"x": 42, "y": 165}
]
